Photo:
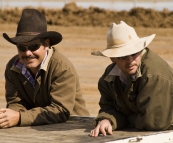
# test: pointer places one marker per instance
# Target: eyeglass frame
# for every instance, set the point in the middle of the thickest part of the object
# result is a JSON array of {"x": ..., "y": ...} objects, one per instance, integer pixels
[{"x": 27, "y": 47}]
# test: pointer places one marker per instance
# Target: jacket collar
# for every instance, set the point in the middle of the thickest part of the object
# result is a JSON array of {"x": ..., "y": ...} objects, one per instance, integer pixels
[{"x": 113, "y": 73}]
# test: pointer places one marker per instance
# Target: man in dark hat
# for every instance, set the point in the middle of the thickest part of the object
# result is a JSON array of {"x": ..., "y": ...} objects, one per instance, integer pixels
[{"x": 42, "y": 86}]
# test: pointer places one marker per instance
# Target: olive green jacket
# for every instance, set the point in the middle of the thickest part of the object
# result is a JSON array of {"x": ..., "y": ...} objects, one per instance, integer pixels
[
  {"x": 56, "y": 96},
  {"x": 147, "y": 102}
]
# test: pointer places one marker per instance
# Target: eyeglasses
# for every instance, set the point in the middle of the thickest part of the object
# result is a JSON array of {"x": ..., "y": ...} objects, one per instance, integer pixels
[
  {"x": 125, "y": 57},
  {"x": 32, "y": 48}
]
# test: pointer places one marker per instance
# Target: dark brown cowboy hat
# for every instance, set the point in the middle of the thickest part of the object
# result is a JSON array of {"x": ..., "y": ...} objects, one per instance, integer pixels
[{"x": 32, "y": 26}]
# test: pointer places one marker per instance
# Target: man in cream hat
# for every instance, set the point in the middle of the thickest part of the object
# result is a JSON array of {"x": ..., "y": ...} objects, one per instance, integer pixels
[
  {"x": 42, "y": 86},
  {"x": 137, "y": 88}
]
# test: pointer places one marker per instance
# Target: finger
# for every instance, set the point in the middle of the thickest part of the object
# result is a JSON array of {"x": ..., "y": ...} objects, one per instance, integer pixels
[
  {"x": 102, "y": 130},
  {"x": 5, "y": 127},
  {"x": 2, "y": 115},
  {"x": 2, "y": 110},
  {"x": 4, "y": 124},
  {"x": 96, "y": 131},
  {"x": 92, "y": 133},
  {"x": 109, "y": 130},
  {"x": 3, "y": 119}
]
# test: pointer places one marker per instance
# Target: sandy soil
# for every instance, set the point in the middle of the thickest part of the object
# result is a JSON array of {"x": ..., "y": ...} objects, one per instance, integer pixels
[{"x": 77, "y": 44}]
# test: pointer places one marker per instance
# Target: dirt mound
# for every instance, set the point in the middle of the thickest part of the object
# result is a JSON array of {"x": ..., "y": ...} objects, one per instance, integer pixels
[
  {"x": 72, "y": 15},
  {"x": 71, "y": 7}
]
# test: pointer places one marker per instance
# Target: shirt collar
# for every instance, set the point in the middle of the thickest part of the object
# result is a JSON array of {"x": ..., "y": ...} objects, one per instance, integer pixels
[
  {"x": 47, "y": 59},
  {"x": 116, "y": 71},
  {"x": 43, "y": 60}
]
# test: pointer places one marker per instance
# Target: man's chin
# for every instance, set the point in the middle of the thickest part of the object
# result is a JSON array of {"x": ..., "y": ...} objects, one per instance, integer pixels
[
  {"x": 29, "y": 66},
  {"x": 132, "y": 72}
]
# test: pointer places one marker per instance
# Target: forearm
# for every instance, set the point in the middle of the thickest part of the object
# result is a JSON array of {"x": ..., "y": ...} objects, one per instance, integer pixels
[
  {"x": 45, "y": 115},
  {"x": 16, "y": 107}
]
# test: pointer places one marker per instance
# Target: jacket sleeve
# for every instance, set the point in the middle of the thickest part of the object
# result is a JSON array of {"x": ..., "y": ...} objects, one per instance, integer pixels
[
  {"x": 108, "y": 108},
  {"x": 155, "y": 102},
  {"x": 62, "y": 99}
]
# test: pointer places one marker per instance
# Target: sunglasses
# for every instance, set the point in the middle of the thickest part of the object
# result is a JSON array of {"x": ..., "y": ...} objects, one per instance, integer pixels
[
  {"x": 125, "y": 57},
  {"x": 32, "y": 48}
]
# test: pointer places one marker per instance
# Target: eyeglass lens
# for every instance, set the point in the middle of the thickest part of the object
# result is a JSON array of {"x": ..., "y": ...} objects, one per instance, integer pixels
[{"x": 33, "y": 47}]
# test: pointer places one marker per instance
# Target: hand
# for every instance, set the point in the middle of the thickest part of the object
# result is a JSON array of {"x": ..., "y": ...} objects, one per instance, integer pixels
[
  {"x": 104, "y": 126},
  {"x": 8, "y": 118}
]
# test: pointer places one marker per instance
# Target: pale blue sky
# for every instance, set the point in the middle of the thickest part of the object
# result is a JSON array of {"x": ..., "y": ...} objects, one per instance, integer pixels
[{"x": 112, "y": 4}]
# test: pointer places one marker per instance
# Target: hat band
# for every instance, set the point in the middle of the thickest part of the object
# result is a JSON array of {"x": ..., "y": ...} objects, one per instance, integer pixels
[
  {"x": 27, "y": 34},
  {"x": 125, "y": 44}
]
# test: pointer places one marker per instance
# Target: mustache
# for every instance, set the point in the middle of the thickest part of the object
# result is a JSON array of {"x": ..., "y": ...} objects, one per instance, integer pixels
[
  {"x": 130, "y": 65},
  {"x": 28, "y": 57}
]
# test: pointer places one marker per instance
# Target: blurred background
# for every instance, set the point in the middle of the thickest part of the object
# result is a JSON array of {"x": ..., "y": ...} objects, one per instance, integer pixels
[
  {"x": 108, "y": 4},
  {"x": 138, "y": 13}
]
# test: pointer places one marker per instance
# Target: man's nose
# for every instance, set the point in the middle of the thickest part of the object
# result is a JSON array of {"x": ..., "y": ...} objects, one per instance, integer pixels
[
  {"x": 130, "y": 59},
  {"x": 28, "y": 52}
]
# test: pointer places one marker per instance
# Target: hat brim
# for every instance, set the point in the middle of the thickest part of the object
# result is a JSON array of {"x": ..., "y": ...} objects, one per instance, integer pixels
[
  {"x": 53, "y": 36},
  {"x": 127, "y": 49}
]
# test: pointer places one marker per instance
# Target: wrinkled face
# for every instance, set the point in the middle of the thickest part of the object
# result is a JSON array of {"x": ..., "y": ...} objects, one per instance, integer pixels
[
  {"x": 128, "y": 64},
  {"x": 32, "y": 53}
]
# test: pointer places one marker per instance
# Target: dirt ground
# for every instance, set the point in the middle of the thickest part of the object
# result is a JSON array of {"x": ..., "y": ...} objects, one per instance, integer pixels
[{"x": 78, "y": 43}]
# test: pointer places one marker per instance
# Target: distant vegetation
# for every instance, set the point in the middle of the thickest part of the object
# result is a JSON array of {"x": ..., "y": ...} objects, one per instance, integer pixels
[{"x": 71, "y": 15}]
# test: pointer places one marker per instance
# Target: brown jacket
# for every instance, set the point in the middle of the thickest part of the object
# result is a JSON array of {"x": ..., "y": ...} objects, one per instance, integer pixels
[
  {"x": 147, "y": 102},
  {"x": 56, "y": 96}
]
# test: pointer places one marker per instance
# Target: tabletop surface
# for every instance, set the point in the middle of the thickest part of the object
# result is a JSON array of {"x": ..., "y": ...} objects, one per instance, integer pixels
[{"x": 75, "y": 130}]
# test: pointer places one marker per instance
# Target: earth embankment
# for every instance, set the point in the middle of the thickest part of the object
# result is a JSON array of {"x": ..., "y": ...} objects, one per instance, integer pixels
[{"x": 72, "y": 15}]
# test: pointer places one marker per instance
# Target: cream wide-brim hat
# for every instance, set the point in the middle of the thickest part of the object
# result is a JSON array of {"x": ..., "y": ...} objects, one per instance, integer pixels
[{"x": 122, "y": 40}]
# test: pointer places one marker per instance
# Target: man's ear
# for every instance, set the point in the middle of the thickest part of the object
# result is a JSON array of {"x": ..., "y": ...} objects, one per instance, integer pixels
[
  {"x": 113, "y": 60},
  {"x": 47, "y": 43}
]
